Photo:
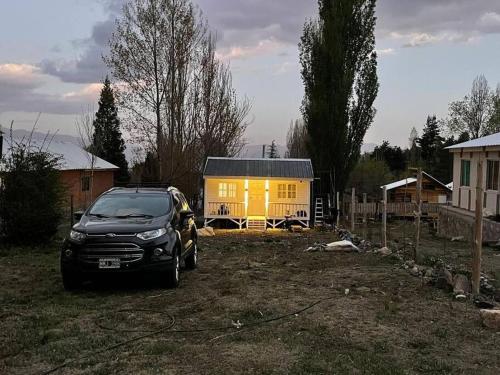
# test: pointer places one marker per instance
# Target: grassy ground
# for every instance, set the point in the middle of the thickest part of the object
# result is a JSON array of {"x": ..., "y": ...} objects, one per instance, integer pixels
[{"x": 399, "y": 326}]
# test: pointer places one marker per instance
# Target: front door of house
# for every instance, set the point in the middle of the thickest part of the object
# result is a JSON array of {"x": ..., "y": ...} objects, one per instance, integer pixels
[{"x": 256, "y": 198}]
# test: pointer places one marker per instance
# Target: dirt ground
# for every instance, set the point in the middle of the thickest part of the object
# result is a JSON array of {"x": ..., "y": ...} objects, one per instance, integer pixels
[{"x": 388, "y": 323}]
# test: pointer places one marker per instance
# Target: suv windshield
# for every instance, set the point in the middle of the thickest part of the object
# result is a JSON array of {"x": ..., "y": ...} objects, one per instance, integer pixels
[{"x": 131, "y": 205}]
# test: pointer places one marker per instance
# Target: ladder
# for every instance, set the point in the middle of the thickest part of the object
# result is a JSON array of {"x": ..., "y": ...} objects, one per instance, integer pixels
[{"x": 318, "y": 211}]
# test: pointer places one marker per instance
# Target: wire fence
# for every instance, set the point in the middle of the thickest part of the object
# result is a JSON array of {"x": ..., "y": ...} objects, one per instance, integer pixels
[{"x": 447, "y": 234}]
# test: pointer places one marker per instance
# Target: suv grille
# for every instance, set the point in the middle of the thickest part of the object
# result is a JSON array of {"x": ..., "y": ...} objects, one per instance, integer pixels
[{"x": 126, "y": 252}]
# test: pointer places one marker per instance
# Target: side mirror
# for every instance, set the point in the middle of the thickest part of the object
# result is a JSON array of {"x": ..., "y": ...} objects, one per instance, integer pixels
[{"x": 77, "y": 216}]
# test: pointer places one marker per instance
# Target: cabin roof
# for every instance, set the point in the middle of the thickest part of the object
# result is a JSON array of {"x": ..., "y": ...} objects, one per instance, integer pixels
[
  {"x": 270, "y": 168},
  {"x": 489, "y": 140},
  {"x": 72, "y": 157},
  {"x": 412, "y": 180}
]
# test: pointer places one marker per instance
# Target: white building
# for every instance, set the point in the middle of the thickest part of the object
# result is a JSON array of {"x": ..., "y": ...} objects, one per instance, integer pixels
[{"x": 465, "y": 165}]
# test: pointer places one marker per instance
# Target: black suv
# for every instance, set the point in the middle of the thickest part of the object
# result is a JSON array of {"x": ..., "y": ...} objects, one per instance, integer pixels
[{"x": 127, "y": 230}]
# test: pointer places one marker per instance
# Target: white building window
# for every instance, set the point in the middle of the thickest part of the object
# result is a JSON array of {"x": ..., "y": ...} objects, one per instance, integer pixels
[
  {"x": 492, "y": 175},
  {"x": 227, "y": 190},
  {"x": 287, "y": 191}
]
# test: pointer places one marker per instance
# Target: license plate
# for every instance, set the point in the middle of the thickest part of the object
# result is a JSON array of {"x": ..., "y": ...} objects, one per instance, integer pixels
[{"x": 109, "y": 263}]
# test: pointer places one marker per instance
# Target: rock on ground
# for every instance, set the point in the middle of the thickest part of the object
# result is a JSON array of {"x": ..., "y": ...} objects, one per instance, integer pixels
[
  {"x": 491, "y": 318},
  {"x": 341, "y": 246},
  {"x": 206, "y": 232}
]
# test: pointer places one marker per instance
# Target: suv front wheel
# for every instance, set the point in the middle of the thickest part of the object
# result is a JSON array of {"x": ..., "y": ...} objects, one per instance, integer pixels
[
  {"x": 172, "y": 275},
  {"x": 192, "y": 259},
  {"x": 71, "y": 278}
]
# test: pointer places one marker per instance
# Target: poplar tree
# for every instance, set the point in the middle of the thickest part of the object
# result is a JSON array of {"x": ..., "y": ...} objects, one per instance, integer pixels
[
  {"x": 339, "y": 71},
  {"x": 107, "y": 141}
]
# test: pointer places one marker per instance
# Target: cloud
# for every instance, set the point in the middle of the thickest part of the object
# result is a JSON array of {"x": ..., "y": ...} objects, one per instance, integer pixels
[
  {"x": 21, "y": 88},
  {"x": 490, "y": 22},
  {"x": 426, "y": 22},
  {"x": 259, "y": 27},
  {"x": 263, "y": 47},
  {"x": 386, "y": 51}
]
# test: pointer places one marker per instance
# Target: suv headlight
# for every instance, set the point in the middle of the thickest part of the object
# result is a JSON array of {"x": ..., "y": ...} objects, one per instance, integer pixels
[
  {"x": 152, "y": 234},
  {"x": 77, "y": 236}
]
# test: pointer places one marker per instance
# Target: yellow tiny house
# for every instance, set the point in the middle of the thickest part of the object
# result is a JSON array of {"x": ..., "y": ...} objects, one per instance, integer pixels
[{"x": 258, "y": 193}]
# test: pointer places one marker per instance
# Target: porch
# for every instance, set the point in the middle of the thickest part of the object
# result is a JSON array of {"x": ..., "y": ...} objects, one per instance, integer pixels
[{"x": 273, "y": 214}]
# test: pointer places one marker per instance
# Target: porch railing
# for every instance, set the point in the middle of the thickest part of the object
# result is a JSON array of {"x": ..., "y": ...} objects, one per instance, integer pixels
[
  {"x": 226, "y": 209},
  {"x": 280, "y": 210}
]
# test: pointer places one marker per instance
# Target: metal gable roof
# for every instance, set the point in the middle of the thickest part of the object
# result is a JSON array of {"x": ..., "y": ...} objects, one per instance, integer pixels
[
  {"x": 489, "y": 140},
  {"x": 271, "y": 168},
  {"x": 72, "y": 156},
  {"x": 412, "y": 180}
]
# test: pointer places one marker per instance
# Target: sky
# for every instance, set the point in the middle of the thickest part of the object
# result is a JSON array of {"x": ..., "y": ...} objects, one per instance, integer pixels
[{"x": 429, "y": 53}]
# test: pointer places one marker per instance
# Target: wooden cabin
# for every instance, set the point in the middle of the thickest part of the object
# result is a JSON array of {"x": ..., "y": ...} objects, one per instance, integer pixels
[
  {"x": 405, "y": 191},
  {"x": 258, "y": 193}
]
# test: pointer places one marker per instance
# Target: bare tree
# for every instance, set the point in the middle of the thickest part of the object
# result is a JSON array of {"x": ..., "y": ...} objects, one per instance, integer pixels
[
  {"x": 471, "y": 114},
  {"x": 296, "y": 140},
  {"x": 177, "y": 96},
  {"x": 88, "y": 141},
  {"x": 494, "y": 121},
  {"x": 139, "y": 61}
]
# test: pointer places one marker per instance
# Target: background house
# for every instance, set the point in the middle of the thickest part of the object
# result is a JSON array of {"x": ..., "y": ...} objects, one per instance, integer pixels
[
  {"x": 465, "y": 161},
  {"x": 433, "y": 190},
  {"x": 84, "y": 175},
  {"x": 257, "y": 193}
]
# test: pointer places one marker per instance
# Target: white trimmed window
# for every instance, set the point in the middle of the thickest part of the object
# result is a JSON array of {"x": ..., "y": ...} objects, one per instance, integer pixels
[
  {"x": 281, "y": 191},
  {"x": 227, "y": 190},
  {"x": 287, "y": 191}
]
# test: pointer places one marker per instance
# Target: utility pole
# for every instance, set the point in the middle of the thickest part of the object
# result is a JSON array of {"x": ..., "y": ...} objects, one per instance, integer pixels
[
  {"x": 418, "y": 213},
  {"x": 478, "y": 233}
]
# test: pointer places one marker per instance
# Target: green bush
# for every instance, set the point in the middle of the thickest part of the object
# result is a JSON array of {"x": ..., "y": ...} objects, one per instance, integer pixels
[{"x": 31, "y": 195}]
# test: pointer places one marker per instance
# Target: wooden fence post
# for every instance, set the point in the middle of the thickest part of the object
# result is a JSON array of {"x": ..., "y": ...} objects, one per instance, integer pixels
[
  {"x": 478, "y": 235},
  {"x": 418, "y": 213},
  {"x": 365, "y": 208},
  {"x": 384, "y": 218},
  {"x": 353, "y": 208}
]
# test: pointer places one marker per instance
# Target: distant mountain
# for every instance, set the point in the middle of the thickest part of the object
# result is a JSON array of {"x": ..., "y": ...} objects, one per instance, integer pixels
[{"x": 39, "y": 136}]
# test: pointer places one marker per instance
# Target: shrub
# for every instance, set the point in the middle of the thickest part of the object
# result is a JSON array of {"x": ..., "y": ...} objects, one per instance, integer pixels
[{"x": 31, "y": 195}]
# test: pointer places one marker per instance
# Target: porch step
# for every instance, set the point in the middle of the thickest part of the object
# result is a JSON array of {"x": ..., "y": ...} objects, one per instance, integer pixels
[{"x": 257, "y": 223}]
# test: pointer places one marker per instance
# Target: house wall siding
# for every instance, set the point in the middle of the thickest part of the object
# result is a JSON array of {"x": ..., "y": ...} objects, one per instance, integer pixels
[
  {"x": 303, "y": 191},
  {"x": 465, "y": 196},
  {"x": 101, "y": 182}
]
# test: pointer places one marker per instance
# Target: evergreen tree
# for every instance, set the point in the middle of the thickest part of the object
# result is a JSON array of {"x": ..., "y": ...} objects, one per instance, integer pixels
[
  {"x": 108, "y": 143},
  {"x": 393, "y": 156},
  {"x": 339, "y": 71},
  {"x": 431, "y": 145},
  {"x": 273, "y": 152}
]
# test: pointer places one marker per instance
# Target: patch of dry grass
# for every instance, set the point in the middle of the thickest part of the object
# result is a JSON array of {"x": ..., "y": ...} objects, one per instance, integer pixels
[{"x": 399, "y": 327}]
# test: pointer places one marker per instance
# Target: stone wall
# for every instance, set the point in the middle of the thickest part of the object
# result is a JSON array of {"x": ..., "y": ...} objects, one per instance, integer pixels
[{"x": 455, "y": 222}]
